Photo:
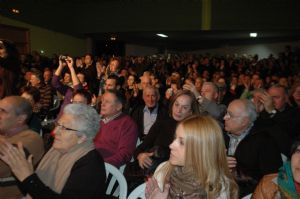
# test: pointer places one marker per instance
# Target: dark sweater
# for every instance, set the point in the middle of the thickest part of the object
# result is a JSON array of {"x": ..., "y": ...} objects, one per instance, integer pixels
[{"x": 86, "y": 180}]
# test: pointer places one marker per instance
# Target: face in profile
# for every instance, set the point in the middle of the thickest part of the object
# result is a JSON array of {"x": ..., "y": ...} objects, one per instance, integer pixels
[
  {"x": 295, "y": 164},
  {"x": 177, "y": 153},
  {"x": 66, "y": 134},
  {"x": 182, "y": 108},
  {"x": 3, "y": 52}
]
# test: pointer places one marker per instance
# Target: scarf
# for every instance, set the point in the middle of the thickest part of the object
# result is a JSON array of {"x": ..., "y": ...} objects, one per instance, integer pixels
[
  {"x": 183, "y": 184},
  {"x": 55, "y": 167},
  {"x": 286, "y": 182}
]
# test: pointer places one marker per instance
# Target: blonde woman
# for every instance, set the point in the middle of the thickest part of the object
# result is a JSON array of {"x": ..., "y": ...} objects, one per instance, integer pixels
[{"x": 197, "y": 167}]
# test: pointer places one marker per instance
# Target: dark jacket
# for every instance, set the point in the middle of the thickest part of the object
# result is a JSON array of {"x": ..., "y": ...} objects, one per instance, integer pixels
[
  {"x": 138, "y": 117},
  {"x": 256, "y": 155},
  {"x": 86, "y": 180}
]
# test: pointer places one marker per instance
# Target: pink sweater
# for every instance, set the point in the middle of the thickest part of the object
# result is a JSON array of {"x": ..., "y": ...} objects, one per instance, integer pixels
[{"x": 116, "y": 140}]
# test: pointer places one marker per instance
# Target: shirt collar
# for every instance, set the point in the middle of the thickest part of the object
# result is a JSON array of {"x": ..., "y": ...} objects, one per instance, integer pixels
[
  {"x": 153, "y": 111},
  {"x": 108, "y": 119},
  {"x": 243, "y": 134}
]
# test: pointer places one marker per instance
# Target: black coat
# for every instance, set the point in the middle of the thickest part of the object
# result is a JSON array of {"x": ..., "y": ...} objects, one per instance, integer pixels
[
  {"x": 256, "y": 155},
  {"x": 138, "y": 117},
  {"x": 86, "y": 180}
]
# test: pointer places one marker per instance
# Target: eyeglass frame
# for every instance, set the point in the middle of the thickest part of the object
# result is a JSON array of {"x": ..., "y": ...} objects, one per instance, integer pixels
[
  {"x": 230, "y": 116},
  {"x": 62, "y": 127}
]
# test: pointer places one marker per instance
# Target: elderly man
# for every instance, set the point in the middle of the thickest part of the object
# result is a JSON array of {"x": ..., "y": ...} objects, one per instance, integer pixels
[
  {"x": 208, "y": 99},
  {"x": 36, "y": 80},
  {"x": 277, "y": 108},
  {"x": 252, "y": 151},
  {"x": 15, "y": 111},
  {"x": 117, "y": 136},
  {"x": 146, "y": 115}
]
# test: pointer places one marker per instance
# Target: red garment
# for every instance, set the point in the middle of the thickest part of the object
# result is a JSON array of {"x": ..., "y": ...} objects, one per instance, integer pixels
[{"x": 116, "y": 140}]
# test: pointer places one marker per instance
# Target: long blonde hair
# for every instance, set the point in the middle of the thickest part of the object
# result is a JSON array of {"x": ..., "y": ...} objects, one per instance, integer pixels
[{"x": 205, "y": 156}]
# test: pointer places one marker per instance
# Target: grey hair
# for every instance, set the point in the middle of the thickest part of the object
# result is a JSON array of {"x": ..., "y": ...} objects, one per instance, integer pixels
[
  {"x": 213, "y": 85},
  {"x": 87, "y": 118},
  {"x": 151, "y": 88},
  {"x": 250, "y": 109}
]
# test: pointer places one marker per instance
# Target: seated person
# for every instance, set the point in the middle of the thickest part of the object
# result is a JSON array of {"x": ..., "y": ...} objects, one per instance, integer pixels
[
  {"x": 285, "y": 183},
  {"x": 208, "y": 100},
  {"x": 46, "y": 95},
  {"x": 15, "y": 112},
  {"x": 197, "y": 165},
  {"x": 72, "y": 168},
  {"x": 117, "y": 137},
  {"x": 150, "y": 112},
  {"x": 252, "y": 151},
  {"x": 32, "y": 94},
  {"x": 155, "y": 147}
]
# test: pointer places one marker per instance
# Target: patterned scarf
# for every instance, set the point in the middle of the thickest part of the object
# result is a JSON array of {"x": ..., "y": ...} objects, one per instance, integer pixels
[
  {"x": 183, "y": 184},
  {"x": 286, "y": 182}
]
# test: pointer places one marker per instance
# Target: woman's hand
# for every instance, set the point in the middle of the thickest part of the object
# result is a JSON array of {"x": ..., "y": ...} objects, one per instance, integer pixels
[
  {"x": 16, "y": 160},
  {"x": 154, "y": 192}
]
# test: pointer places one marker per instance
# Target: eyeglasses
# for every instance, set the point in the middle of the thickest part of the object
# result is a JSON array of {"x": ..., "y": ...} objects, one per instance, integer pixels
[
  {"x": 229, "y": 115},
  {"x": 62, "y": 127}
]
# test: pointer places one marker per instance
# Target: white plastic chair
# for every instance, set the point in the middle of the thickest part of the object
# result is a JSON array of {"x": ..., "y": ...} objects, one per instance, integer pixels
[
  {"x": 138, "y": 192},
  {"x": 116, "y": 176},
  {"x": 247, "y": 196}
]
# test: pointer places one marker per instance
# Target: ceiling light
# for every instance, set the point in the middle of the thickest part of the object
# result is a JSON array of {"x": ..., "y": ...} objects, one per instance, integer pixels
[
  {"x": 113, "y": 38},
  {"x": 16, "y": 11},
  {"x": 161, "y": 35},
  {"x": 253, "y": 34}
]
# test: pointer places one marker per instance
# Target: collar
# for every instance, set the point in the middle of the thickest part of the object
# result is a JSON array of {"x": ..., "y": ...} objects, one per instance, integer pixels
[
  {"x": 108, "y": 119},
  {"x": 243, "y": 134},
  {"x": 151, "y": 110}
]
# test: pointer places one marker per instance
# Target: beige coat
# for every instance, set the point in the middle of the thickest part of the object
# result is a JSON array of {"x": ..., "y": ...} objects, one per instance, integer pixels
[{"x": 34, "y": 144}]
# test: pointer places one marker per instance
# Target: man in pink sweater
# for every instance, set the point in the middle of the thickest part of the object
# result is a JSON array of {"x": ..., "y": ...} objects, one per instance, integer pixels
[{"x": 116, "y": 139}]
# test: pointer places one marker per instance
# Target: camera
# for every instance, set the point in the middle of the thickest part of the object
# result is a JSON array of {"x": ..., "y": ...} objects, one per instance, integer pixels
[{"x": 63, "y": 57}]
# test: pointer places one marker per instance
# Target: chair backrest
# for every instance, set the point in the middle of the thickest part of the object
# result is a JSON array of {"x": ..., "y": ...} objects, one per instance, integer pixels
[
  {"x": 138, "y": 192},
  {"x": 113, "y": 175},
  {"x": 247, "y": 196}
]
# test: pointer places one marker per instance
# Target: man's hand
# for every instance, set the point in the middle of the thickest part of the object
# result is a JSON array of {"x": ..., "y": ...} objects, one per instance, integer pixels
[
  {"x": 191, "y": 87},
  {"x": 267, "y": 101},
  {"x": 231, "y": 162},
  {"x": 145, "y": 160},
  {"x": 16, "y": 160}
]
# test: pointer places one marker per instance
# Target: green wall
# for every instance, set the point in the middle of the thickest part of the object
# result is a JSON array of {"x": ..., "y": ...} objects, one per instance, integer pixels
[{"x": 49, "y": 41}]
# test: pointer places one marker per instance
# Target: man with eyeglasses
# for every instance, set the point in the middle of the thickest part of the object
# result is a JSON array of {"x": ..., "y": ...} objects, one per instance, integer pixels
[
  {"x": 252, "y": 153},
  {"x": 15, "y": 111}
]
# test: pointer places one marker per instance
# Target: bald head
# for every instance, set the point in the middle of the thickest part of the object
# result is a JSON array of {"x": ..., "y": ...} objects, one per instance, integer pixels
[{"x": 17, "y": 105}]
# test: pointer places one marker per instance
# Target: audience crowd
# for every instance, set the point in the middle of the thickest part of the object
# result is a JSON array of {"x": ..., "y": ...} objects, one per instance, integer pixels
[{"x": 150, "y": 109}]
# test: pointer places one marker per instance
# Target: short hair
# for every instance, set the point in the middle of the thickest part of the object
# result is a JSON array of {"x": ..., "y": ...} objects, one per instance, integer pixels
[
  {"x": 115, "y": 77},
  {"x": 84, "y": 93},
  {"x": 119, "y": 96},
  {"x": 250, "y": 109},
  {"x": 286, "y": 92},
  {"x": 21, "y": 106},
  {"x": 33, "y": 91},
  {"x": 38, "y": 74},
  {"x": 213, "y": 85},
  {"x": 151, "y": 88},
  {"x": 87, "y": 118},
  {"x": 194, "y": 104}
]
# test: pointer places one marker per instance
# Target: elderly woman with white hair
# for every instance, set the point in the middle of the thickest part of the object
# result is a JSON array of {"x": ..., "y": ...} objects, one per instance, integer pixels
[{"x": 72, "y": 168}]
